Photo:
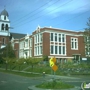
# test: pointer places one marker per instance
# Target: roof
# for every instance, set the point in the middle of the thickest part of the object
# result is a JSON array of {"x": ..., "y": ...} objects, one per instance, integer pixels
[
  {"x": 4, "y": 12},
  {"x": 17, "y": 35},
  {"x": 57, "y": 30}
]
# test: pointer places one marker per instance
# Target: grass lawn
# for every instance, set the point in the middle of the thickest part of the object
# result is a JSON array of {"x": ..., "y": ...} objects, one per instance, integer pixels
[
  {"x": 21, "y": 73},
  {"x": 55, "y": 85},
  {"x": 43, "y": 68}
]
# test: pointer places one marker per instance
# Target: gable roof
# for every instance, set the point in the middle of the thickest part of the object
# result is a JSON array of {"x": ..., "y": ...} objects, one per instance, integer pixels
[{"x": 17, "y": 35}]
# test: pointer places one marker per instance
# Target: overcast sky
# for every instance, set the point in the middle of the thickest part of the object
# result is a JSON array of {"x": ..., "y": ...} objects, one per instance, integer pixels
[{"x": 26, "y": 15}]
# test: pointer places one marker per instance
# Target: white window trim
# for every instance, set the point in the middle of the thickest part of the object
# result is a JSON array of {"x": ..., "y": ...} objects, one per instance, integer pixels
[
  {"x": 74, "y": 43},
  {"x": 57, "y": 49}
]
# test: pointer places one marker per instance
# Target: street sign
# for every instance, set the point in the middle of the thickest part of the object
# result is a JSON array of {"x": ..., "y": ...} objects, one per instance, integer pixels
[
  {"x": 55, "y": 67},
  {"x": 52, "y": 62}
]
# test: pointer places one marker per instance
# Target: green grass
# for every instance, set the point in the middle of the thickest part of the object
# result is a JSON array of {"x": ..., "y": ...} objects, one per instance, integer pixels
[
  {"x": 55, "y": 85},
  {"x": 40, "y": 70},
  {"x": 46, "y": 69},
  {"x": 14, "y": 67},
  {"x": 21, "y": 73}
]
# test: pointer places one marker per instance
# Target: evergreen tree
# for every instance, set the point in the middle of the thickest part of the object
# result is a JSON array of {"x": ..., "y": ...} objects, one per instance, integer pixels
[{"x": 8, "y": 51}]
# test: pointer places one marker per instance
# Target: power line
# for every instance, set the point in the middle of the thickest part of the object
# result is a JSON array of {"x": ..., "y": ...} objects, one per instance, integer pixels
[
  {"x": 44, "y": 14},
  {"x": 67, "y": 13},
  {"x": 72, "y": 18},
  {"x": 56, "y": 17},
  {"x": 32, "y": 12},
  {"x": 27, "y": 18}
]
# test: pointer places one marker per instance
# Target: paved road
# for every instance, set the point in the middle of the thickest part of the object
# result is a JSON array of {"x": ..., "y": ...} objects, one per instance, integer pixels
[
  {"x": 15, "y": 82},
  {"x": 73, "y": 80}
]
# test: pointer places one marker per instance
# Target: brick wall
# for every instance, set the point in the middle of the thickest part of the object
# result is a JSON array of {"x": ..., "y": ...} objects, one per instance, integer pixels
[
  {"x": 46, "y": 43},
  {"x": 81, "y": 47}
]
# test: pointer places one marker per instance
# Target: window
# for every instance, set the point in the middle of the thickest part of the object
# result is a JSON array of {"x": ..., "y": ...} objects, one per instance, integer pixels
[
  {"x": 51, "y": 49},
  {"x": 26, "y": 43},
  {"x": 6, "y": 27},
  {"x": 35, "y": 39},
  {"x": 55, "y": 49},
  {"x": 55, "y": 36},
  {"x": 30, "y": 42},
  {"x": 21, "y": 45},
  {"x": 38, "y": 37},
  {"x": 2, "y": 27},
  {"x": 4, "y": 17},
  {"x": 41, "y": 37},
  {"x": 63, "y": 38},
  {"x": 74, "y": 43},
  {"x": 59, "y": 49},
  {"x": 63, "y": 49},
  {"x": 51, "y": 36},
  {"x": 59, "y": 37},
  {"x": 40, "y": 49}
]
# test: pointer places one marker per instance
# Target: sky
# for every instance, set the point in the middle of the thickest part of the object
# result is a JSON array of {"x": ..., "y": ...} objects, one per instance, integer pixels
[{"x": 26, "y": 15}]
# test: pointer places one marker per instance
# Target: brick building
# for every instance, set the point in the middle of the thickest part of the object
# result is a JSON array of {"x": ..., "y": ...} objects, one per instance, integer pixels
[{"x": 62, "y": 44}]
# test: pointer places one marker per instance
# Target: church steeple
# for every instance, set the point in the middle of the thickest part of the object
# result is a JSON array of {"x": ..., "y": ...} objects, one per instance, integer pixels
[
  {"x": 4, "y": 21},
  {"x": 4, "y": 28}
]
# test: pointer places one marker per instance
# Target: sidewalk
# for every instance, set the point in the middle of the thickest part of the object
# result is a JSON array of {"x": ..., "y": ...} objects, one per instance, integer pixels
[
  {"x": 47, "y": 75},
  {"x": 34, "y": 88}
]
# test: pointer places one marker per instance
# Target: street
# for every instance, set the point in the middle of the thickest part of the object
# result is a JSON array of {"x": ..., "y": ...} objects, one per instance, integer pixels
[
  {"x": 15, "y": 82},
  {"x": 77, "y": 81}
]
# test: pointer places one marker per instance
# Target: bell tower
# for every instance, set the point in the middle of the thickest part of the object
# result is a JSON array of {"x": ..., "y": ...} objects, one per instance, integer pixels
[{"x": 4, "y": 28}]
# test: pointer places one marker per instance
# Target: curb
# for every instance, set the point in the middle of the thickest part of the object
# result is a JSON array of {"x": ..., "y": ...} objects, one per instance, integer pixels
[{"x": 35, "y": 88}]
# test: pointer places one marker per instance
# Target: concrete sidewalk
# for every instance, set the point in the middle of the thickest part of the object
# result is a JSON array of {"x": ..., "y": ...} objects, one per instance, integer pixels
[
  {"x": 47, "y": 75},
  {"x": 34, "y": 88}
]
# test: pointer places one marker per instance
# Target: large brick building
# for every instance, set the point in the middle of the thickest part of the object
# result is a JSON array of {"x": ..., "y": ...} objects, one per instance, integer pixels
[{"x": 62, "y": 44}]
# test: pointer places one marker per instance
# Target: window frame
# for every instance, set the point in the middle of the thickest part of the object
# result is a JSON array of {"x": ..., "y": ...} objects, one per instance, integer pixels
[{"x": 74, "y": 43}]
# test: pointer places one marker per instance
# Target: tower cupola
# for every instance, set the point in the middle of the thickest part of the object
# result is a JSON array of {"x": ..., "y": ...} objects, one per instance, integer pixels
[
  {"x": 4, "y": 22},
  {"x": 5, "y": 13}
]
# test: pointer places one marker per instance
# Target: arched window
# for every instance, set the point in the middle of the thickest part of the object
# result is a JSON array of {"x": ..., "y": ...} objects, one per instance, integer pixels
[
  {"x": 4, "y": 17},
  {"x": 7, "y": 27},
  {"x": 2, "y": 27}
]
